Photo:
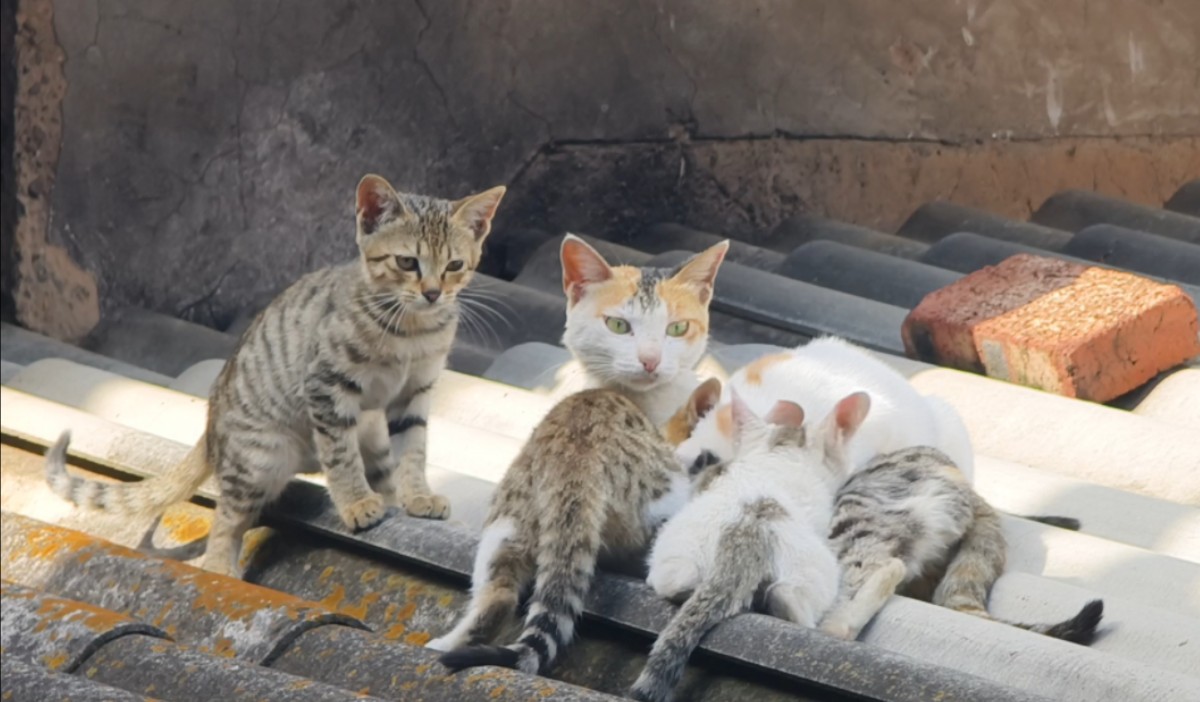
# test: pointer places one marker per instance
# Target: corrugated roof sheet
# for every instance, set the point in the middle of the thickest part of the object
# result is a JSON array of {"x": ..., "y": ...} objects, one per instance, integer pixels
[{"x": 333, "y": 614}]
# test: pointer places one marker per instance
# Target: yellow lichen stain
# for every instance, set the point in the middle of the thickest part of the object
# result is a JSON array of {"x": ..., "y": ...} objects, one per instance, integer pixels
[
  {"x": 421, "y": 669},
  {"x": 490, "y": 675},
  {"x": 445, "y": 600},
  {"x": 497, "y": 691},
  {"x": 185, "y": 527},
  {"x": 369, "y": 576},
  {"x": 410, "y": 685},
  {"x": 223, "y": 647},
  {"x": 418, "y": 638},
  {"x": 334, "y": 599},
  {"x": 395, "y": 631},
  {"x": 56, "y": 661},
  {"x": 325, "y": 574},
  {"x": 546, "y": 691},
  {"x": 251, "y": 543},
  {"x": 160, "y": 647},
  {"x": 162, "y": 616},
  {"x": 358, "y": 611}
]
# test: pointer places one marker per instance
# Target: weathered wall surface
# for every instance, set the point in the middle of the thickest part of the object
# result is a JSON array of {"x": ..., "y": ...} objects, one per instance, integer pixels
[{"x": 209, "y": 151}]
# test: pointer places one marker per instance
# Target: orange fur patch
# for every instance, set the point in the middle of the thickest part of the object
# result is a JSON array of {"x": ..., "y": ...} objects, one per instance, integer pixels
[
  {"x": 725, "y": 420},
  {"x": 754, "y": 371},
  {"x": 684, "y": 304},
  {"x": 616, "y": 290}
]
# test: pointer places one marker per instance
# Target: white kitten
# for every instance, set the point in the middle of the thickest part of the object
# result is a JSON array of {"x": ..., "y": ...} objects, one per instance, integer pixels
[
  {"x": 816, "y": 376},
  {"x": 760, "y": 526}
]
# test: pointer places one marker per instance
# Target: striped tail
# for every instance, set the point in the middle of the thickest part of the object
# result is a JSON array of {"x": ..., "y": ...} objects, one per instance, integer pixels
[
  {"x": 571, "y": 525},
  {"x": 743, "y": 563},
  {"x": 144, "y": 497},
  {"x": 980, "y": 562}
]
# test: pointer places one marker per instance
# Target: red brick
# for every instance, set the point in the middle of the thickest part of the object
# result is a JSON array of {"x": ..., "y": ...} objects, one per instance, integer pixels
[{"x": 1064, "y": 327}]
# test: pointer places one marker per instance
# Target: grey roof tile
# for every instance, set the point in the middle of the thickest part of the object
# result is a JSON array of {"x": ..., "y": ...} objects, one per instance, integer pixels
[
  {"x": 801, "y": 229},
  {"x": 24, "y": 682},
  {"x": 1186, "y": 200},
  {"x": 1075, "y": 209},
  {"x": 865, "y": 273},
  {"x": 1138, "y": 251},
  {"x": 934, "y": 220},
  {"x": 676, "y": 237}
]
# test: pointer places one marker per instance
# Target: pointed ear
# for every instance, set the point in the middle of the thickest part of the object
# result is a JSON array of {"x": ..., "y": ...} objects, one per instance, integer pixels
[
  {"x": 786, "y": 414},
  {"x": 701, "y": 270},
  {"x": 582, "y": 265},
  {"x": 477, "y": 211},
  {"x": 376, "y": 204},
  {"x": 705, "y": 397},
  {"x": 845, "y": 419},
  {"x": 745, "y": 420}
]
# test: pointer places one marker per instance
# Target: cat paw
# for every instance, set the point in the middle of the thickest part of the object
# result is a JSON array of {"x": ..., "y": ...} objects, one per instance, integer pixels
[
  {"x": 839, "y": 630},
  {"x": 442, "y": 643},
  {"x": 365, "y": 513},
  {"x": 674, "y": 577},
  {"x": 427, "y": 506}
]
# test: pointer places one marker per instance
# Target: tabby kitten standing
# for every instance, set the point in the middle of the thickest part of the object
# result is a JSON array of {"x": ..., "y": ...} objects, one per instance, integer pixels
[
  {"x": 596, "y": 477},
  {"x": 342, "y": 358},
  {"x": 910, "y": 515}
]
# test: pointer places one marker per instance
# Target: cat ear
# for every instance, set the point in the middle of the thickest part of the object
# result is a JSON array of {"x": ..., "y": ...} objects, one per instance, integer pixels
[
  {"x": 477, "y": 211},
  {"x": 701, "y": 270},
  {"x": 376, "y": 204},
  {"x": 745, "y": 421},
  {"x": 786, "y": 414},
  {"x": 582, "y": 265},
  {"x": 845, "y": 419},
  {"x": 704, "y": 398}
]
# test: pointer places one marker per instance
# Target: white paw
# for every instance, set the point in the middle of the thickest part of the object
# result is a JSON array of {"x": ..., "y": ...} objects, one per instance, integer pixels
[
  {"x": 674, "y": 577},
  {"x": 442, "y": 643},
  {"x": 841, "y": 630}
]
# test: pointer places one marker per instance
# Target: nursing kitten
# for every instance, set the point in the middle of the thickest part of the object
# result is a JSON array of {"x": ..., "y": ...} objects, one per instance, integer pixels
[
  {"x": 816, "y": 376},
  {"x": 759, "y": 528},
  {"x": 595, "y": 480},
  {"x": 342, "y": 358},
  {"x": 639, "y": 330},
  {"x": 908, "y": 516}
]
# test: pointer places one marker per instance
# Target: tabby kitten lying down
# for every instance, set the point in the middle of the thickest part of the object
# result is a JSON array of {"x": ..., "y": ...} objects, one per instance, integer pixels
[
  {"x": 596, "y": 478},
  {"x": 341, "y": 358}
]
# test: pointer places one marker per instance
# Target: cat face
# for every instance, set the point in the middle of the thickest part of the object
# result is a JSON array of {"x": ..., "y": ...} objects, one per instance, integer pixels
[
  {"x": 637, "y": 327},
  {"x": 422, "y": 250}
]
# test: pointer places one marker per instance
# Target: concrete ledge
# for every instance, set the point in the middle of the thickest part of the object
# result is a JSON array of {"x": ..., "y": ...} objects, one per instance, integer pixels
[
  {"x": 158, "y": 342},
  {"x": 198, "y": 379},
  {"x": 8, "y": 370}
]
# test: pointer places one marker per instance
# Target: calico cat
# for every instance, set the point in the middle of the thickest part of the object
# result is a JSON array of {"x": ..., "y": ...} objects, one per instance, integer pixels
[
  {"x": 816, "y": 376},
  {"x": 908, "y": 517},
  {"x": 641, "y": 331},
  {"x": 759, "y": 528},
  {"x": 341, "y": 359},
  {"x": 596, "y": 477}
]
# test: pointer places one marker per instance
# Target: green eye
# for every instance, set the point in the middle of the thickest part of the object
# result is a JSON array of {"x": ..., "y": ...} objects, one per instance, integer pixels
[
  {"x": 407, "y": 263},
  {"x": 617, "y": 325},
  {"x": 454, "y": 266},
  {"x": 677, "y": 328}
]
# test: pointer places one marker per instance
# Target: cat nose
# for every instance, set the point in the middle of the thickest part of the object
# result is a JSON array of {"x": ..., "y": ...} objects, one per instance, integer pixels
[
  {"x": 431, "y": 295},
  {"x": 650, "y": 364}
]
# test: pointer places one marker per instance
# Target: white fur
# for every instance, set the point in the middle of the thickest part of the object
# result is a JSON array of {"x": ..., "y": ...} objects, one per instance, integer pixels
[
  {"x": 493, "y": 537},
  {"x": 803, "y": 481},
  {"x": 671, "y": 502},
  {"x": 824, "y": 371},
  {"x": 614, "y": 359}
]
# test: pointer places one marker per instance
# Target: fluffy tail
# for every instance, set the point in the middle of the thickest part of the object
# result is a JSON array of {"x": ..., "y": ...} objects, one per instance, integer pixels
[
  {"x": 150, "y": 496},
  {"x": 980, "y": 561},
  {"x": 743, "y": 562},
  {"x": 571, "y": 523}
]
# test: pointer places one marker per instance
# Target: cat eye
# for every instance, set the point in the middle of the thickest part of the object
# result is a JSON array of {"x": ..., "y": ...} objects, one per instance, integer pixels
[
  {"x": 617, "y": 325},
  {"x": 704, "y": 460},
  {"x": 407, "y": 263},
  {"x": 454, "y": 266},
  {"x": 677, "y": 328}
]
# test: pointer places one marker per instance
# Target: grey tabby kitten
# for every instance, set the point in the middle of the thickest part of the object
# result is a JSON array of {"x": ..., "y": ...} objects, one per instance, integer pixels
[
  {"x": 597, "y": 477},
  {"x": 342, "y": 358},
  {"x": 910, "y": 521}
]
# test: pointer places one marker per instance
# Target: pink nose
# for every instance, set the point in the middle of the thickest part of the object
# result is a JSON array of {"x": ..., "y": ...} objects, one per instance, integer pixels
[{"x": 650, "y": 364}]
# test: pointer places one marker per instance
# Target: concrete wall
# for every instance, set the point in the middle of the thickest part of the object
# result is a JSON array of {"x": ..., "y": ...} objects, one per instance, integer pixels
[{"x": 208, "y": 151}]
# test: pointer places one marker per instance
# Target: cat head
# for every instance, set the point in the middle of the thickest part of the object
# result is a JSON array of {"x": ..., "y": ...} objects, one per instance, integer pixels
[
  {"x": 423, "y": 250},
  {"x": 732, "y": 431},
  {"x": 636, "y": 327}
]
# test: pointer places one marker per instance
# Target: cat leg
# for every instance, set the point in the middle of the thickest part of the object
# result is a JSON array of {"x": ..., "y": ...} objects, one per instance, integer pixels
[
  {"x": 333, "y": 410},
  {"x": 503, "y": 564},
  {"x": 376, "y": 449},
  {"x": 413, "y": 491},
  {"x": 230, "y": 524},
  {"x": 806, "y": 582},
  {"x": 850, "y": 614},
  {"x": 674, "y": 578}
]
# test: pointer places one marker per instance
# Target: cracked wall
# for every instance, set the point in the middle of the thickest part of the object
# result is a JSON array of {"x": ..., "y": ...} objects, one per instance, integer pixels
[{"x": 209, "y": 151}]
